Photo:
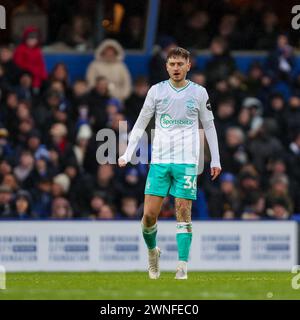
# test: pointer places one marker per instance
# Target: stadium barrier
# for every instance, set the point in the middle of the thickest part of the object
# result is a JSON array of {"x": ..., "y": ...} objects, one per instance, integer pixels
[
  {"x": 138, "y": 63},
  {"x": 119, "y": 246}
]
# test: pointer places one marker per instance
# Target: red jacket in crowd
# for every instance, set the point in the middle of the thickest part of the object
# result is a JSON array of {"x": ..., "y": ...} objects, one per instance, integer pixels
[{"x": 31, "y": 58}]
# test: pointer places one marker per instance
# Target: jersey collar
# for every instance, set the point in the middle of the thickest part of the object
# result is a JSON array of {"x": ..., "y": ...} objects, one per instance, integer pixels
[{"x": 179, "y": 89}]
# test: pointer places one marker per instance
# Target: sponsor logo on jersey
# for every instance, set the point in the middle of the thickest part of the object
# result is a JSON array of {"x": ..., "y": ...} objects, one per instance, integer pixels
[{"x": 166, "y": 121}]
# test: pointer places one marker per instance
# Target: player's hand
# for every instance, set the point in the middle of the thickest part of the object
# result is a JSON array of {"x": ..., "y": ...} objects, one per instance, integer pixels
[
  {"x": 215, "y": 172},
  {"x": 122, "y": 162}
]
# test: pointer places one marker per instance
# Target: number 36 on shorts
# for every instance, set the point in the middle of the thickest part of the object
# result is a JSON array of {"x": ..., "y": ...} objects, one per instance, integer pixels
[{"x": 190, "y": 182}]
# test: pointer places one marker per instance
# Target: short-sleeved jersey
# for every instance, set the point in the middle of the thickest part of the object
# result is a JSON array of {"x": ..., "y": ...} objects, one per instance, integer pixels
[{"x": 177, "y": 113}]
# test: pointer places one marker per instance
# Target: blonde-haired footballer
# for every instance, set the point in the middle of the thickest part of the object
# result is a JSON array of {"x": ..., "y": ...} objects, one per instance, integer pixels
[{"x": 178, "y": 104}]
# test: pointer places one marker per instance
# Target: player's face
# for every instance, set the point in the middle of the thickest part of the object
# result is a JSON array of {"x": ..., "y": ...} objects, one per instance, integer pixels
[{"x": 177, "y": 68}]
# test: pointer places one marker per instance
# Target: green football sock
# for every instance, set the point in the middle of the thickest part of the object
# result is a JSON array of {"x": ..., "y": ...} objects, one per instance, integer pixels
[
  {"x": 184, "y": 240},
  {"x": 149, "y": 234}
]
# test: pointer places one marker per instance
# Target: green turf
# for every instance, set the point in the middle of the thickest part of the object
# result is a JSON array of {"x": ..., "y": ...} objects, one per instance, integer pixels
[{"x": 136, "y": 285}]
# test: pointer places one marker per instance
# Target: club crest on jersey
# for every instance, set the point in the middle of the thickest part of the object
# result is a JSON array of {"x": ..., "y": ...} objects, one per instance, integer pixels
[
  {"x": 191, "y": 103},
  {"x": 166, "y": 100}
]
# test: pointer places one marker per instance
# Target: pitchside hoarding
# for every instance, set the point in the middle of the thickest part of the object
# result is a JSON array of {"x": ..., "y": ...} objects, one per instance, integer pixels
[{"x": 119, "y": 246}]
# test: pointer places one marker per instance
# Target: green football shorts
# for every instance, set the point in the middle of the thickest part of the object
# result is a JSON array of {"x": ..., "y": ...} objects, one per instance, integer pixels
[{"x": 178, "y": 180}]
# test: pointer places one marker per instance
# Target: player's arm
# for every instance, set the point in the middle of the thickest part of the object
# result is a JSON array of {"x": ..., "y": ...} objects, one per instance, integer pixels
[
  {"x": 212, "y": 140},
  {"x": 139, "y": 127},
  {"x": 207, "y": 119}
]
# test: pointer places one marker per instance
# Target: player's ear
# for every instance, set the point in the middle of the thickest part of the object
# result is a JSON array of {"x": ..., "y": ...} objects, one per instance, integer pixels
[{"x": 189, "y": 65}]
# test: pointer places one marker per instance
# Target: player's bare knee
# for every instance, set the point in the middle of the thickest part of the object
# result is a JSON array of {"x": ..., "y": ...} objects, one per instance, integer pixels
[{"x": 149, "y": 219}]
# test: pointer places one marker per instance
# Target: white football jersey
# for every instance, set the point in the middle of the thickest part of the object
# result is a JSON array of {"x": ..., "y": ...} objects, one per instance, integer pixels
[{"x": 177, "y": 113}]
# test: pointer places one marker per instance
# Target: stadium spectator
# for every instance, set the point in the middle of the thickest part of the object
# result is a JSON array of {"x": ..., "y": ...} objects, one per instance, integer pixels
[
  {"x": 135, "y": 101},
  {"x": 223, "y": 203},
  {"x": 129, "y": 207},
  {"x": 60, "y": 73},
  {"x": 97, "y": 100},
  {"x": 253, "y": 207},
  {"x": 25, "y": 166},
  {"x": 79, "y": 200},
  {"x": 42, "y": 199},
  {"x": 6, "y": 150},
  {"x": 279, "y": 203},
  {"x": 243, "y": 120},
  {"x": 294, "y": 157},
  {"x": 221, "y": 65},
  {"x": 6, "y": 201},
  {"x": 112, "y": 108},
  {"x": 264, "y": 146},
  {"x": 35, "y": 146},
  {"x": 28, "y": 56},
  {"x": 277, "y": 110},
  {"x": 281, "y": 61},
  {"x": 105, "y": 181},
  {"x": 28, "y": 13},
  {"x": 97, "y": 201},
  {"x": 5, "y": 168},
  {"x": 61, "y": 209},
  {"x": 196, "y": 31},
  {"x": 9, "y": 111},
  {"x": 157, "y": 69},
  {"x": 132, "y": 185},
  {"x": 22, "y": 205},
  {"x": 228, "y": 30},
  {"x": 279, "y": 210},
  {"x": 11, "y": 182},
  {"x": 107, "y": 212},
  {"x": 224, "y": 115},
  {"x": 24, "y": 89},
  {"x": 233, "y": 150},
  {"x": 79, "y": 91},
  {"x": 60, "y": 185},
  {"x": 254, "y": 78},
  {"x": 133, "y": 34},
  {"x": 44, "y": 110},
  {"x": 199, "y": 78},
  {"x": 293, "y": 116},
  {"x": 109, "y": 63},
  {"x": 76, "y": 34},
  {"x": 40, "y": 170},
  {"x": 59, "y": 140},
  {"x": 11, "y": 70},
  {"x": 256, "y": 112},
  {"x": 249, "y": 188},
  {"x": 78, "y": 152},
  {"x": 267, "y": 32}
]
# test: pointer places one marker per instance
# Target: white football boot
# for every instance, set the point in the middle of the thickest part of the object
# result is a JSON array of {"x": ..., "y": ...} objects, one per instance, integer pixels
[
  {"x": 153, "y": 258},
  {"x": 181, "y": 271}
]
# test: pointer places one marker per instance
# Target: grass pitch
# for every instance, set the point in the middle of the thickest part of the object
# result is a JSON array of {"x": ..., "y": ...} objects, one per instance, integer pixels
[{"x": 136, "y": 285}]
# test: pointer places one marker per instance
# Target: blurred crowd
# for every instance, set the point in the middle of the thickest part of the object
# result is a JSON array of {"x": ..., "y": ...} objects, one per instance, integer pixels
[
  {"x": 75, "y": 24},
  {"x": 245, "y": 25},
  {"x": 48, "y": 166}
]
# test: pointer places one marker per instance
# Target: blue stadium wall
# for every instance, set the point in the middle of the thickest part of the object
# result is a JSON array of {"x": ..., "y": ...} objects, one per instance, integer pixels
[{"x": 137, "y": 63}]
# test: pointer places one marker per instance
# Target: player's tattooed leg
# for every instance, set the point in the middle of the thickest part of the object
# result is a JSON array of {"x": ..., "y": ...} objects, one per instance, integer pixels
[
  {"x": 183, "y": 208},
  {"x": 183, "y": 235}
]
